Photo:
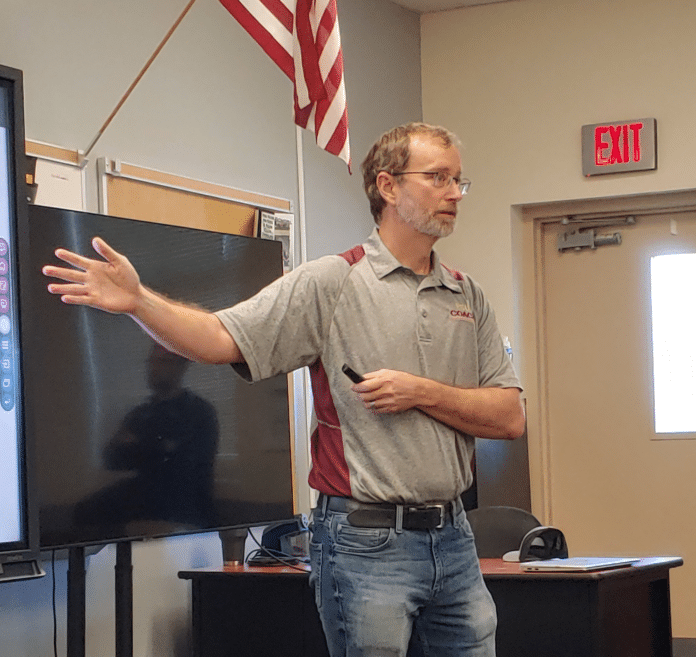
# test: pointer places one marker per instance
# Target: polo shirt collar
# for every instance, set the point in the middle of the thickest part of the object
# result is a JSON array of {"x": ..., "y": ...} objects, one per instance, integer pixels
[
  {"x": 384, "y": 263},
  {"x": 443, "y": 276},
  {"x": 381, "y": 258}
]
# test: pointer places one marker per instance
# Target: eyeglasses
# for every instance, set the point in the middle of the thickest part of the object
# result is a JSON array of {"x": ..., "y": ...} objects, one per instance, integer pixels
[{"x": 441, "y": 179}]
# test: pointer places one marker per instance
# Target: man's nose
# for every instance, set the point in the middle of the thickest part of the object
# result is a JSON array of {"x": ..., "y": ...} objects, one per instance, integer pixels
[{"x": 453, "y": 191}]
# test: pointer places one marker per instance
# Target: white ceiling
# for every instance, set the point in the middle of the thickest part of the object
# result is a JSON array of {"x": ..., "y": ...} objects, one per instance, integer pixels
[{"x": 425, "y": 6}]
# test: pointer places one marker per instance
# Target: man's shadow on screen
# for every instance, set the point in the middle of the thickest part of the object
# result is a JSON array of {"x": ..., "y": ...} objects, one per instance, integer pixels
[{"x": 167, "y": 445}]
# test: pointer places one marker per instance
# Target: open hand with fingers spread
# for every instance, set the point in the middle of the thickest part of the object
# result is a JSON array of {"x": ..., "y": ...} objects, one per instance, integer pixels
[{"x": 111, "y": 284}]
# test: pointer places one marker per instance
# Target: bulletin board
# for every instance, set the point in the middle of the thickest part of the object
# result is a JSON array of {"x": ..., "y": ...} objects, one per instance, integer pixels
[{"x": 134, "y": 192}]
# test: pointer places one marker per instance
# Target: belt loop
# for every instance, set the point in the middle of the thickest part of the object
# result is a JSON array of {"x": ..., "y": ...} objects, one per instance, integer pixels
[
  {"x": 324, "y": 504},
  {"x": 399, "y": 525}
]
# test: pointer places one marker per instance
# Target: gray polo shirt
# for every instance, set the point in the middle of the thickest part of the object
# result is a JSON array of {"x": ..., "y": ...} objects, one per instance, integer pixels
[{"x": 365, "y": 309}]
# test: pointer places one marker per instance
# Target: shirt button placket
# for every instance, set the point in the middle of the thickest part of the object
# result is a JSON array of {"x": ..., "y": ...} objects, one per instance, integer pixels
[{"x": 423, "y": 332}]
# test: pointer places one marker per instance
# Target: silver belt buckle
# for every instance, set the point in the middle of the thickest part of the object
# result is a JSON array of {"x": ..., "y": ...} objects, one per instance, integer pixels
[{"x": 443, "y": 513}]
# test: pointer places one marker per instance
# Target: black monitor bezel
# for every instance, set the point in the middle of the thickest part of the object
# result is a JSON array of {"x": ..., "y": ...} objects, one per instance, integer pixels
[
  {"x": 25, "y": 549},
  {"x": 41, "y": 220}
]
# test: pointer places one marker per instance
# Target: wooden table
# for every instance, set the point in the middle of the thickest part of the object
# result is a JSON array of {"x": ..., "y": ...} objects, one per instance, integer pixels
[
  {"x": 623, "y": 612},
  {"x": 242, "y": 611}
]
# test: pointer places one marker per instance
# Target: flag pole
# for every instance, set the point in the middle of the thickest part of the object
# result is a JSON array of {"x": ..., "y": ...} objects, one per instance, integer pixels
[
  {"x": 82, "y": 156},
  {"x": 301, "y": 194},
  {"x": 306, "y": 384}
]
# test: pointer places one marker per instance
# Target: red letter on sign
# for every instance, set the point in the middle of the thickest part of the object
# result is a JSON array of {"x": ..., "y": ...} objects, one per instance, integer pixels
[
  {"x": 600, "y": 146},
  {"x": 624, "y": 130},
  {"x": 615, "y": 132},
  {"x": 635, "y": 129}
]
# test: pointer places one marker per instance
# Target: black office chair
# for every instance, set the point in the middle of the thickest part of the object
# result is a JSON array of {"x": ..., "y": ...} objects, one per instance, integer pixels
[{"x": 499, "y": 529}]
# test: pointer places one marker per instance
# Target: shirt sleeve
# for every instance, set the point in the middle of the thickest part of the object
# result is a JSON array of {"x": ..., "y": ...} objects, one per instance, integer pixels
[
  {"x": 284, "y": 326},
  {"x": 495, "y": 366}
]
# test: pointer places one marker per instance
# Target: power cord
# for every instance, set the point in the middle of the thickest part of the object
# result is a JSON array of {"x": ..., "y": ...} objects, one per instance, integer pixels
[
  {"x": 264, "y": 556},
  {"x": 53, "y": 603}
]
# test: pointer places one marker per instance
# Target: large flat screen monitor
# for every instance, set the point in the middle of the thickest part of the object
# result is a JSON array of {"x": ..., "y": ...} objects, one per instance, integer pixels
[
  {"x": 17, "y": 520},
  {"x": 134, "y": 442}
]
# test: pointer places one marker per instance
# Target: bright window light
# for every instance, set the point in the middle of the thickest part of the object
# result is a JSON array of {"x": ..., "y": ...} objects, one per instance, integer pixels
[{"x": 674, "y": 342}]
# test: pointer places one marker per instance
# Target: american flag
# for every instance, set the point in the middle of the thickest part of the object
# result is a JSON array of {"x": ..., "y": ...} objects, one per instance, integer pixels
[{"x": 302, "y": 38}]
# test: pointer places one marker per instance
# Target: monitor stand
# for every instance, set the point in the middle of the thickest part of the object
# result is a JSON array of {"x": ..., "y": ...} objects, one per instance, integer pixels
[
  {"x": 123, "y": 589},
  {"x": 76, "y": 602},
  {"x": 124, "y": 599}
]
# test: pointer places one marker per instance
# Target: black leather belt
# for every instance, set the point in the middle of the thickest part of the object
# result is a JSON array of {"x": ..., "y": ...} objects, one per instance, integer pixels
[{"x": 407, "y": 516}]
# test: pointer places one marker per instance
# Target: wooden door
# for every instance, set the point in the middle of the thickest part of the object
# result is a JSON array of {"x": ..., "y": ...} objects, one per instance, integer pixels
[{"x": 613, "y": 485}]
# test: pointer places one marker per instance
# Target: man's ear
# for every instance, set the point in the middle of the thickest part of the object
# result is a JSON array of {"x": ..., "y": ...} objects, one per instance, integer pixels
[{"x": 386, "y": 184}]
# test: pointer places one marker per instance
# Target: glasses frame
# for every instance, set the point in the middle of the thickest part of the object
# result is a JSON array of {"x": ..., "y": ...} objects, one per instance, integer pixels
[{"x": 462, "y": 183}]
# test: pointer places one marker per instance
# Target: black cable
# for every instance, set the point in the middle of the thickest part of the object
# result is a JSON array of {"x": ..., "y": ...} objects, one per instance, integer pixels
[
  {"x": 274, "y": 555},
  {"x": 55, "y": 615}
]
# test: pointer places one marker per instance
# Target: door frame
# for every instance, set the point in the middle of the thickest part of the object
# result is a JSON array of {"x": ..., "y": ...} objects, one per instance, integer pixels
[{"x": 527, "y": 223}]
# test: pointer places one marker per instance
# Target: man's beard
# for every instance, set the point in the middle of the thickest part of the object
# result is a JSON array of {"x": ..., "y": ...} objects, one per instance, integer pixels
[{"x": 420, "y": 220}]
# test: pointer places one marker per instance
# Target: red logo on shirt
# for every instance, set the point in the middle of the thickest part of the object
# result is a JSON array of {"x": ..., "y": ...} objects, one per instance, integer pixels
[{"x": 462, "y": 312}]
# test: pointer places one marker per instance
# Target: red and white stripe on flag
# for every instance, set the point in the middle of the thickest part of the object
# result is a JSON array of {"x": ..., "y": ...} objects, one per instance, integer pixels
[{"x": 302, "y": 38}]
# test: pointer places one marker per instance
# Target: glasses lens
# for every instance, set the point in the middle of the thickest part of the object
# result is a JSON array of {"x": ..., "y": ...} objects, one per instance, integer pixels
[
  {"x": 440, "y": 179},
  {"x": 464, "y": 186}
]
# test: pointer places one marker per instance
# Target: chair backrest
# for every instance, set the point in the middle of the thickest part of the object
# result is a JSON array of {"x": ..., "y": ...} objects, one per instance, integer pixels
[{"x": 499, "y": 529}]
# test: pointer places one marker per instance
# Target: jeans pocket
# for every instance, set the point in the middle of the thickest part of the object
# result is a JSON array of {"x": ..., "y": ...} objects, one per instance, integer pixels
[{"x": 357, "y": 540}]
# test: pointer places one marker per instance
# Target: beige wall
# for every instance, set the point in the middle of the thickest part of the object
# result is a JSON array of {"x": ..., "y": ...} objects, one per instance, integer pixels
[{"x": 517, "y": 80}]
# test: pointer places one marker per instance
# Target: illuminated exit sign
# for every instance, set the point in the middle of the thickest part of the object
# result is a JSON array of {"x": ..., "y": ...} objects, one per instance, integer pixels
[{"x": 619, "y": 146}]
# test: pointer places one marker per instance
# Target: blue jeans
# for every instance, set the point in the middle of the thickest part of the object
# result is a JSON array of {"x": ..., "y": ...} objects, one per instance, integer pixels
[{"x": 410, "y": 594}]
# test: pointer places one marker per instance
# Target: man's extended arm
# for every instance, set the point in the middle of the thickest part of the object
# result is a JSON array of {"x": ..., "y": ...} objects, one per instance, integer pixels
[
  {"x": 481, "y": 412},
  {"x": 113, "y": 285}
]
